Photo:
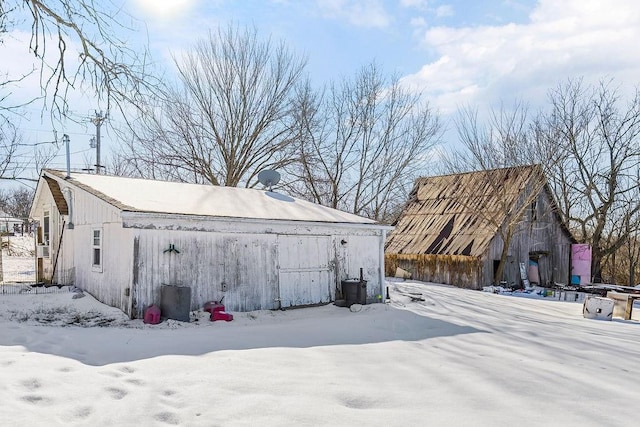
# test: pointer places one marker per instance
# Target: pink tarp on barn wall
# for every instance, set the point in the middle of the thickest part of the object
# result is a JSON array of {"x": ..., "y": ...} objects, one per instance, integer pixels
[{"x": 580, "y": 264}]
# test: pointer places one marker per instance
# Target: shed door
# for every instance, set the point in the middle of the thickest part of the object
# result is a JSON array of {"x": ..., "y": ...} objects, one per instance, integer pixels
[{"x": 304, "y": 273}]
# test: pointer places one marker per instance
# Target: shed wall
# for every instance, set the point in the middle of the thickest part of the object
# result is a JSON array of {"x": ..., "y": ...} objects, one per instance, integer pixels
[
  {"x": 70, "y": 260},
  {"x": 240, "y": 268},
  {"x": 251, "y": 264}
]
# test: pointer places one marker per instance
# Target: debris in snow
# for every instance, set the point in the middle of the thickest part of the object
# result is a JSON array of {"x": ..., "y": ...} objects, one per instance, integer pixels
[
  {"x": 402, "y": 274},
  {"x": 355, "y": 308}
]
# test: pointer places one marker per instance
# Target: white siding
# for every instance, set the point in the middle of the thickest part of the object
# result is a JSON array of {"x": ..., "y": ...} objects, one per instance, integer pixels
[
  {"x": 252, "y": 270},
  {"x": 71, "y": 254},
  {"x": 361, "y": 252},
  {"x": 305, "y": 270},
  {"x": 241, "y": 268}
]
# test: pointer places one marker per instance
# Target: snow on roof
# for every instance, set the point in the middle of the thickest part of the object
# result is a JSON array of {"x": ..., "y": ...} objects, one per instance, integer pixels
[
  {"x": 143, "y": 195},
  {"x": 6, "y": 217}
]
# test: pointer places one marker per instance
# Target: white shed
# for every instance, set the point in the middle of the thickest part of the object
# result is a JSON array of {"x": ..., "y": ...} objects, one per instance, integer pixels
[{"x": 122, "y": 239}]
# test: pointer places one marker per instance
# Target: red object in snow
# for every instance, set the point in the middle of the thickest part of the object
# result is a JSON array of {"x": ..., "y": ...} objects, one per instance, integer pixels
[
  {"x": 152, "y": 315},
  {"x": 221, "y": 315},
  {"x": 213, "y": 306},
  {"x": 217, "y": 311}
]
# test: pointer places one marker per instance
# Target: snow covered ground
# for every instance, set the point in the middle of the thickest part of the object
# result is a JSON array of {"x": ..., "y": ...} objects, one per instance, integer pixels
[
  {"x": 457, "y": 358},
  {"x": 18, "y": 262}
]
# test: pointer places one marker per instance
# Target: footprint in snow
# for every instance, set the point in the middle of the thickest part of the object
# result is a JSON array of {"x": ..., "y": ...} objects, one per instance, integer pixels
[
  {"x": 167, "y": 418},
  {"x": 116, "y": 393}
]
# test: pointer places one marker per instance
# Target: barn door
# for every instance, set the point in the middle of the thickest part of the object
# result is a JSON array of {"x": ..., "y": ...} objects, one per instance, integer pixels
[{"x": 305, "y": 271}]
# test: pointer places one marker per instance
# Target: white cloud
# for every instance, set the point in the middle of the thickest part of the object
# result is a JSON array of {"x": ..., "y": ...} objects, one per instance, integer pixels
[
  {"x": 418, "y": 22},
  {"x": 165, "y": 10},
  {"x": 418, "y": 4},
  {"x": 442, "y": 11},
  {"x": 573, "y": 38},
  {"x": 361, "y": 13}
]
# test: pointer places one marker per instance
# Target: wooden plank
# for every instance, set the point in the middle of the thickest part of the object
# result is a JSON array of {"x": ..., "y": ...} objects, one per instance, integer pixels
[{"x": 304, "y": 270}]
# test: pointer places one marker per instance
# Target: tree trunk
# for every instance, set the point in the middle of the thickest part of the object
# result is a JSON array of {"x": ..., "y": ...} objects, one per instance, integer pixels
[
  {"x": 596, "y": 265},
  {"x": 503, "y": 258}
]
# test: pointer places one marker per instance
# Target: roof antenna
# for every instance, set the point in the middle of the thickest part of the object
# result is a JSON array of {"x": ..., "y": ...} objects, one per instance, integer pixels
[{"x": 269, "y": 178}]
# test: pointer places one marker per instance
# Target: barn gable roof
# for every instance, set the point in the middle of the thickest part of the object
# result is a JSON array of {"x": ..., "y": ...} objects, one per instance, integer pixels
[
  {"x": 151, "y": 196},
  {"x": 460, "y": 214}
]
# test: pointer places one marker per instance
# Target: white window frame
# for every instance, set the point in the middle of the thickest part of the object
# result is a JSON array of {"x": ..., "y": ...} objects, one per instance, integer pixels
[
  {"x": 98, "y": 247},
  {"x": 46, "y": 226}
]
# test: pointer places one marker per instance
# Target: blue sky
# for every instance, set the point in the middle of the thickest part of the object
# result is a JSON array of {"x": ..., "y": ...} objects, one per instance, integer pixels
[{"x": 456, "y": 52}]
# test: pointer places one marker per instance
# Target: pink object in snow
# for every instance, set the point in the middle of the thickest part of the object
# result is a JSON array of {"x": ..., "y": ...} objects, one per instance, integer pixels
[
  {"x": 217, "y": 311},
  {"x": 152, "y": 315}
]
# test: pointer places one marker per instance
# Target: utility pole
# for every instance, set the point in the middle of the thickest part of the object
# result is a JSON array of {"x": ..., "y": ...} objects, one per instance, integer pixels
[{"x": 97, "y": 120}]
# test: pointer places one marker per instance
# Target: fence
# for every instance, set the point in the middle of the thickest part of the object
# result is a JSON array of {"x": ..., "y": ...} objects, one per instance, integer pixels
[{"x": 31, "y": 288}]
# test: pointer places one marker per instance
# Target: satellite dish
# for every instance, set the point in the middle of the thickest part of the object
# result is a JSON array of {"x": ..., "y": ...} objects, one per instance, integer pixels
[{"x": 269, "y": 178}]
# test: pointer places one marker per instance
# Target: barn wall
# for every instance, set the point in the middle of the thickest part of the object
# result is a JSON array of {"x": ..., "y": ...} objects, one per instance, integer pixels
[
  {"x": 457, "y": 270},
  {"x": 543, "y": 236}
]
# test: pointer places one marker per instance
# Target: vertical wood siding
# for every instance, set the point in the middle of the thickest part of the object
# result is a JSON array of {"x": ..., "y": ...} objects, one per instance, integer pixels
[
  {"x": 74, "y": 263},
  {"x": 361, "y": 252},
  {"x": 240, "y": 268},
  {"x": 304, "y": 270},
  {"x": 251, "y": 271},
  {"x": 544, "y": 236},
  {"x": 458, "y": 270}
]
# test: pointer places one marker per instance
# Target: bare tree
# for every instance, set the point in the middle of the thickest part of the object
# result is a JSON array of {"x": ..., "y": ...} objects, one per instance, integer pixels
[
  {"x": 16, "y": 156},
  {"x": 76, "y": 45},
  {"x": 498, "y": 147},
  {"x": 361, "y": 142},
  {"x": 79, "y": 43},
  {"x": 623, "y": 265},
  {"x": 11, "y": 161},
  {"x": 598, "y": 136},
  {"x": 228, "y": 118},
  {"x": 17, "y": 202}
]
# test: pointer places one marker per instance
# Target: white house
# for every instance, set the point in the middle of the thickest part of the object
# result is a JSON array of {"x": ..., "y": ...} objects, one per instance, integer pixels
[
  {"x": 8, "y": 223},
  {"x": 122, "y": 239}
]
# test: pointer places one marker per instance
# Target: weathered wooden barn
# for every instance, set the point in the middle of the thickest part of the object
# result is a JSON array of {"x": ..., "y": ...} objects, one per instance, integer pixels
[
  {"x": 122, "y": 239},
  {"x": 451, "y": 230}
]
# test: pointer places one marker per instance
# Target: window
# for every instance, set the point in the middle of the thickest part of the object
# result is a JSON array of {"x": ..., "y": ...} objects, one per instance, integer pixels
[
  {"x": 534, "y": 211},
  {"x": 96, "y": 249},
  {"x": 45, "y": 228}
]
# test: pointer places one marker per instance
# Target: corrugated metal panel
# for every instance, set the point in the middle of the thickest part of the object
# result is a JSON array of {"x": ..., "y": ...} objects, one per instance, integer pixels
[{"x": 458, "y": 214}]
